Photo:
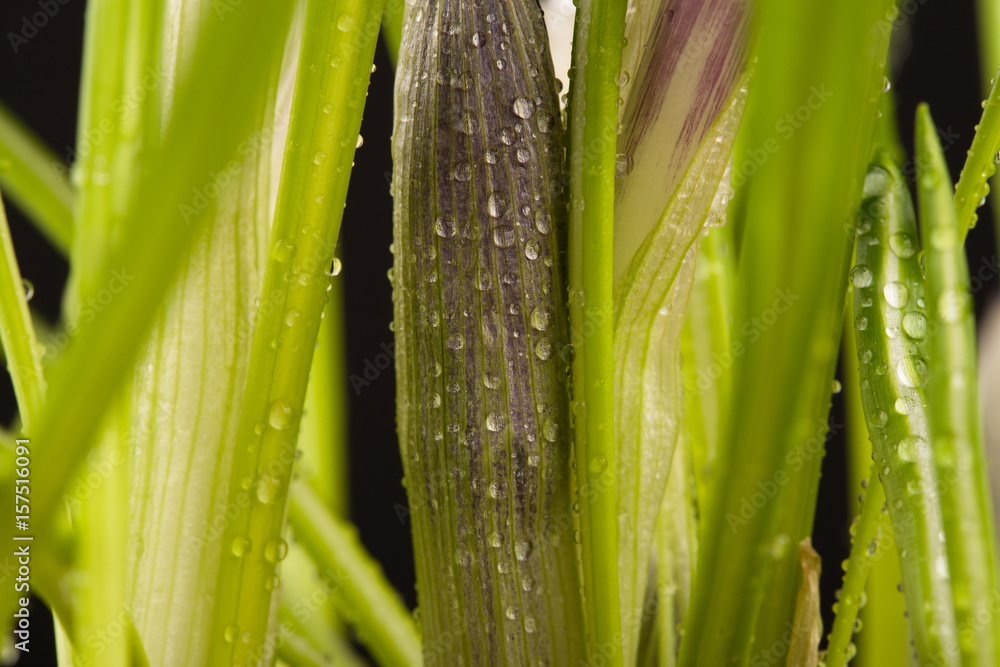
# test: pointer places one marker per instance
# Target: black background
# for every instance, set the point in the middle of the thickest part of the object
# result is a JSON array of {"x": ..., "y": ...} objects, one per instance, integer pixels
[{"x": 937, "y": 62}]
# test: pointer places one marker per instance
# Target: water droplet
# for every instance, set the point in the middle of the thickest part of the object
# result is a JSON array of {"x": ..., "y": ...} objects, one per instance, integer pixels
[
  {"x": 283, "y": 250},
  {"x": 272, "y": 583},
  {"x": 492, "y": 156},
  {"x": 455, "y": 342},
  {"x": 623, "y": 165},
  {"x": 550, "y": 430},
  {"x": 231, "y": 633},
  {"x": 909, "y": 447},
  {"x": 543, "y": 222},
  {"x": 275, "y": 550},
  {"x": 896, "y": 294},
  {"x": 878, "y": 418},
  {"x": 861, "y": 276},
  {"x": 902, "y": 407},
  {"x": 29, "y": 289},
  {"x": 504, "y": 236},
  {"x": 598, "y": 464},
  {"x": 241, "y": 546},
  {"x": 912, "y": 371},
  {"x": 523, "y": 107},
  {"x": 915, "y": 325},
  {"x": 463, "y": 172},
  {"x": 267, "y": 489},
  {"x": 335, "y": 267},
  {"x": 495, "y": 541},
  {"x": 903, "y": 245},
  {"x": 445, "y": 227},
  {"x": 291, "y": 317},
  {"x": 531, "y": 250},
  {"x": 861, "y": 322},
  {"x": 497, "y": 205},
  {"x": 953, "y": 305},
  {"x": 346, "y": 22},
  {"x": 836, "y": 387},
  {"x": 495, "y": 422},
  {"x": 319, "y": 158},
  {"x": 477, "y": 39},
  {"x": 360, "y": 142},
  {"x": 541, "y": 317},
  {"x": 280, "y": 415},
  {"x": 543, "y": 349},
  {"x": 523, "y": 154}
]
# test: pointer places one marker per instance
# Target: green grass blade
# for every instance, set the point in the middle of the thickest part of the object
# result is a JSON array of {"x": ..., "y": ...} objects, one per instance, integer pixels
[
  {"x": 307, "y": 610},
  {"x": 955, "y": 422},
  {"x": 891, "y": 333},
  {"x": 35, "y": 180},
  {"x": 981, "y": 163},
  {"x": 17, "y": 333},
  {"x": 864, "y": 530},
  {"x": 593, "y": 120},
  {"x": 650, "y": 310},
  {"x": 706, "y": 355},
  {"x": 154, "y": 238},
  {"x": 323, "y": 434},
  {"x": 335, "y": 62},
  {"x": 392, "y": 27},
  {"x": 792, "y": 274},
  {"x": 887, "y": 634},
  {"x": 359, "y": 590}
]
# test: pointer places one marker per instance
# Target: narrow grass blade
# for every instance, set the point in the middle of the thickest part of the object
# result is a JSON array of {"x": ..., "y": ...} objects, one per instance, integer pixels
[
  {"x": 650, "y": 310},
  {"x": 392, "y": 27},
  {"x": 358, "y": 587},
  {"x": 17, "y": 333},
  {"x": 887, "y": 634},
  {"x": 706, "y": 353},
  {"x": 789, "y": 308},
  {"x": 981, "y": 163},
  {"x": 35, "y": 180},
  {"x": 323, "y": 435},
  {"x": 955, "y": 422},
  {"x": 891, "y": 331},
  {"x": 481, "y": 338},
  {"x": 864, "y": 531},
  {"x": 334, "y": 68},
  {"x": 307, "y": 604},
  {"x": 593, "y": 119}
]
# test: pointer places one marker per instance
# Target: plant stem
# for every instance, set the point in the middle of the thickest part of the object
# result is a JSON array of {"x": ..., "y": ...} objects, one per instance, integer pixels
[
  {"x": 359, "y": 589},
  {"x": 593, "y": 119},
  {"x": 153, "y": 241},
  {"x": 331, "y": 84},
  {"x": 35, "y": 180}
]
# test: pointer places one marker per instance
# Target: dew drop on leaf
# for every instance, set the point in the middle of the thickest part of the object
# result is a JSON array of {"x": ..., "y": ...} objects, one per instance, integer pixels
[
  {"x": 909, "y": 447},
  {"x": 861, "y": 276},
  {"x": 280, "y": 415},
  {"x": 523, "y": 107}
]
